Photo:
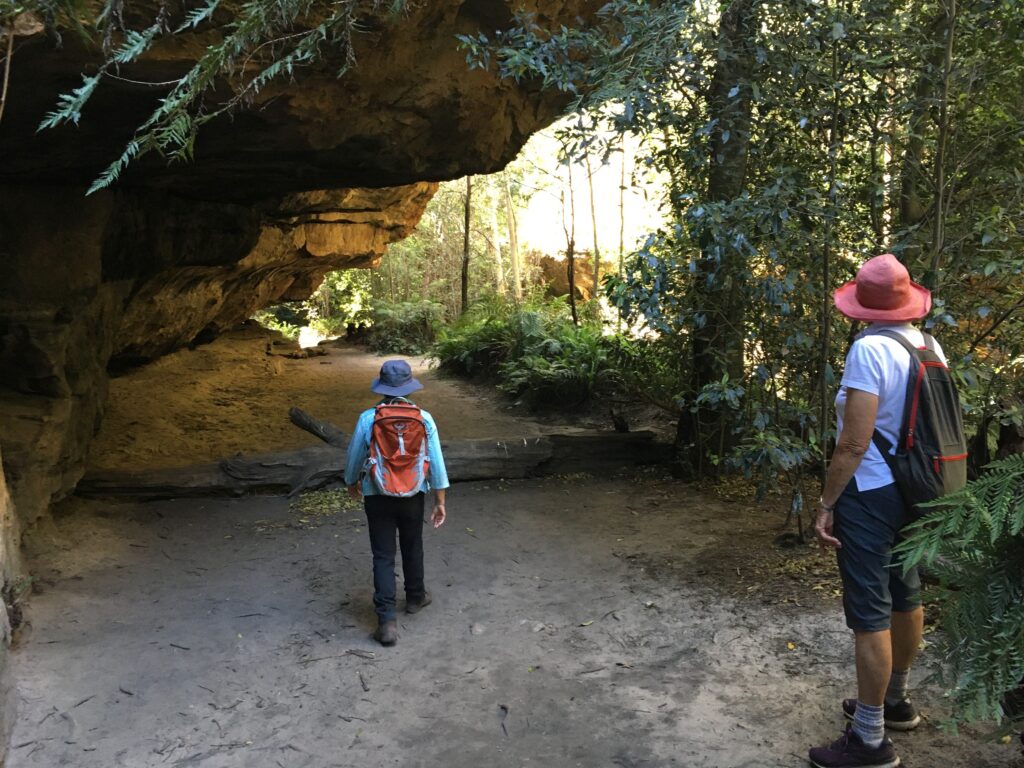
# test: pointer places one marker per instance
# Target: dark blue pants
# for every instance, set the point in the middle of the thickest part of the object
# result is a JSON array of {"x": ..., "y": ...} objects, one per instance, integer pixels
[
  {"x": 386, "y": 516},
  {"x": 868, "y": 523}
]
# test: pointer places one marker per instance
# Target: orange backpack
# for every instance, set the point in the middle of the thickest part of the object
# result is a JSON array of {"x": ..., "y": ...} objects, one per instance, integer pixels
[{"x": 398, "y": 461}]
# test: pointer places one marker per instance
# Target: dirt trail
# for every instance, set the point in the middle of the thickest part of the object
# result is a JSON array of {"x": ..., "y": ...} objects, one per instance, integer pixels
[
  {"x": 577, "y": 622},
  {"x": 230, "y": 397}
]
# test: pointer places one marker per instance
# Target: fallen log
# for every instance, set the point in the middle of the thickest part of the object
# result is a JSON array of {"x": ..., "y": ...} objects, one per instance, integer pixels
[{"x": 290, "y": 472}]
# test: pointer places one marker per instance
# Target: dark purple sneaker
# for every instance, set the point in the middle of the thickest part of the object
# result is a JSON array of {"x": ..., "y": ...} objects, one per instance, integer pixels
[
  {"x": 898, "y": 717},
  {"x": 850, "y": 752}
]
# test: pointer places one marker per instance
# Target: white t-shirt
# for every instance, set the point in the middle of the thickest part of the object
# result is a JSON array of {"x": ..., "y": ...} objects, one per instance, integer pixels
[{"x": 881, "y": 366}]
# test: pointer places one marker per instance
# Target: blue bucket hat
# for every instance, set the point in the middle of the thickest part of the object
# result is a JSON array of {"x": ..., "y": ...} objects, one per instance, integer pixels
[{"x": 395, "y": 379}]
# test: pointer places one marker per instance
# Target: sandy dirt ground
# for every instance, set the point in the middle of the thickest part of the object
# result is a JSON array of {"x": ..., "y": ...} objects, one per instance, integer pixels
[
  {"x": 227, "y": 397},
  {"x": 577, "y": 622},
  {"x": 626, "y": 621}
]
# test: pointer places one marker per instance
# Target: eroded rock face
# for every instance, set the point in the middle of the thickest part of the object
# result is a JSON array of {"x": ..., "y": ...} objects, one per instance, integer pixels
[
  {"x": 411, "y": 110},
  {"x": 295, "y": 244}
]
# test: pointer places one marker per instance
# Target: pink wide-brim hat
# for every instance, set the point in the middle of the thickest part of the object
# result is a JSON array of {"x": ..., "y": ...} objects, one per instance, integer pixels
[{"x": 883, "y": 292}]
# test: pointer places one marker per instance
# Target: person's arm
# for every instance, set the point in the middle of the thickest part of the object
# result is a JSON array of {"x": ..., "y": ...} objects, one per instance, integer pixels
[
  {"x": 356, "y": 458},
  {"x": 851, "y": 445},
  {"x": 440, "y": 514},
  {"x": 438, "y": 476}
]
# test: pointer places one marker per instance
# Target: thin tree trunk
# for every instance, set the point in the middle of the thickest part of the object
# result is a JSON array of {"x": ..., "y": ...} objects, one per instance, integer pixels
[
  {"x": 826, "y": 261},
  {"x": 499, "y": 267},
  {"x": 465, "y": 248},
  {"x": 513, "y": 243},
  {"x": 939, "y": 214},
  {"x": 912, "y": 173},
  {"x": 7, "y": 69},
  {"x": 570, "y": 245},
  {"x": 593, "y": 222},
  {"x": 622, "y": 211}
]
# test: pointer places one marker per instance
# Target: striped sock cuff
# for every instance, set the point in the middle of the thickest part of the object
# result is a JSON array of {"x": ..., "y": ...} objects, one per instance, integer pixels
[{"x": 869, "y": 724}]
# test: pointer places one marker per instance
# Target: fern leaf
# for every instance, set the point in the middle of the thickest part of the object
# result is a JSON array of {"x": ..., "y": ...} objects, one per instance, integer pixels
[{"x": 70, "y": 105}]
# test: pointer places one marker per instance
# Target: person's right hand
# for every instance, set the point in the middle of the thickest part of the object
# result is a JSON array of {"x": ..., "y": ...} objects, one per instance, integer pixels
[
  {"x": 823, "y": 530},
  {"x": 354, "y": 491}
]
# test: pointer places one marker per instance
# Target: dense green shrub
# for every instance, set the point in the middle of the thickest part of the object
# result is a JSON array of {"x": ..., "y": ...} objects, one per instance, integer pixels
[
  {"x": 533, "y": 352},
  {"x": 285, "y": 318},
  {"x": 409, "y": 327}
]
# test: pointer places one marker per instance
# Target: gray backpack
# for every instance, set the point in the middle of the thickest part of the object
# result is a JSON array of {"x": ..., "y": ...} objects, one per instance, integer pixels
[{"x": 931, "y": 455}]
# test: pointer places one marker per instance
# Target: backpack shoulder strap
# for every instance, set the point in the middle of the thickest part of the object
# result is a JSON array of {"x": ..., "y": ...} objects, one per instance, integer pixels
[
  {"x": 895, "y": 336},
  {"x": 883, "y": 445}
]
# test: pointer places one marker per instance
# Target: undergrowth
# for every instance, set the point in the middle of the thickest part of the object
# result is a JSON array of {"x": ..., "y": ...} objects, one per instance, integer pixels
[{"x": 532, "y": 351}]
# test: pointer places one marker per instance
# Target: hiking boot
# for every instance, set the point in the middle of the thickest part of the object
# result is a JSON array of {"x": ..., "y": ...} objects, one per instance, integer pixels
[
  {"x": 415, "y": 606},
  {"x": 850, "y": 752},
  {"x": 387, "y": 633},
  {"x": 902, "y": 716}
]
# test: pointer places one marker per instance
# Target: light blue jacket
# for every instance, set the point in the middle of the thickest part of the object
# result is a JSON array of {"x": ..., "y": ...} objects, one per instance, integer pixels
[{"x": 359, "y": 451}]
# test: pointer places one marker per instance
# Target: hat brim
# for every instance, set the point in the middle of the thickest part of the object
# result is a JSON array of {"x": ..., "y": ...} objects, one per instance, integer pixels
[
  {"x": 919, "y": 305},
  {"x": 383, "y": 389}
]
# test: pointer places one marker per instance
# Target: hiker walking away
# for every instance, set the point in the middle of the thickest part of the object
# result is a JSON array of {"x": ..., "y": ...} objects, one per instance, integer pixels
[
  {"x": 394, "y": 458},
  {"x": 895, "y": 402}
]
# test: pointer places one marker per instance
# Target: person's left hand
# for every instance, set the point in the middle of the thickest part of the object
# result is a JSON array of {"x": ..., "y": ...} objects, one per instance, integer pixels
[
  {"x": 823, "y": 530},
  {"x": 439, "y": 515}
]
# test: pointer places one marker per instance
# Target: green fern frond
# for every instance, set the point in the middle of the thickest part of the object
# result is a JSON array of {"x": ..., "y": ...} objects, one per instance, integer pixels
[
  {"x": 973, "y": 543},
  {"x": 197, "y": 16},
  {"x": 70, "y": 105},
  {"x": 263, "y": 32}
]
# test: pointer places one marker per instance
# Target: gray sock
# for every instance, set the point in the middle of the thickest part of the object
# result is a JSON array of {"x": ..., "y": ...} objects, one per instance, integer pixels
[
  {"x": 897, "y": 690},
  {"x": 869, "y": 724}
]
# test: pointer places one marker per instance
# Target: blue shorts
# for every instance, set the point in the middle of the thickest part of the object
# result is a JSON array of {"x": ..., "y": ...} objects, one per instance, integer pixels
[{"x": 868, "y": 524}]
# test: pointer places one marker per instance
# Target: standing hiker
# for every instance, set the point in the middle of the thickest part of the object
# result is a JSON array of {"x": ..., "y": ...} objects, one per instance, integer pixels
[
  {"x": 864, "y": 502},
  {"x": 394, "y": 458}
]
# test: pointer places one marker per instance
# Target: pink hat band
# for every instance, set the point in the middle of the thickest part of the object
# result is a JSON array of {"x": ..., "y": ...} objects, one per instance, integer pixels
[{"x": 883, "y": 292}]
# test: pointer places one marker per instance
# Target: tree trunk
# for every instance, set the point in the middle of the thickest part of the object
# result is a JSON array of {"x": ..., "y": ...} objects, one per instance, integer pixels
[
  {"x": 570, "y": 246},
  {"x": 834, "y": 144},
  {"x": 717, "y": 343},
  {"x": 593, "y": 222},
  {"x": 464, "y": 305},
  {"x": 499, "y": 267},
  {"x": 622, "y": 211},
  {"x": 912, "y": 174},
  {"x": 513, "y": 243},
  {"x": 931, "y": 279}
]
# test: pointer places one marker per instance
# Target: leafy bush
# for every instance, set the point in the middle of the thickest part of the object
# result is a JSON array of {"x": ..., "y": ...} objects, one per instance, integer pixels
[
  {"x": 343, "y": 300},
  {"x": 974, "y": 543},
  {"x": 286, "y": 319},
  {"x": 409, "y": 327},
  {"x": 565, "y": 372},
  {"x": 533, "y": 352}
]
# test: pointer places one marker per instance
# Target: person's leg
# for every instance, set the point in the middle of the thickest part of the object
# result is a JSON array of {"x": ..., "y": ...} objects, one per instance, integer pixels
[
  {"x": 410, "y": 537},
  {"x": 873, "y": 651},
  {"x": 907, "y": 631},
  {"x": 380, "y": 520},
  {"x": 863, "y": 527}
]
